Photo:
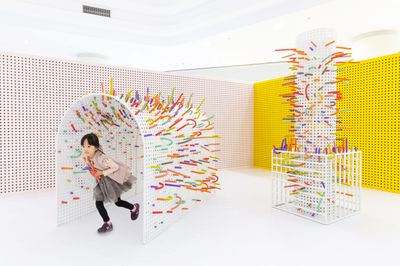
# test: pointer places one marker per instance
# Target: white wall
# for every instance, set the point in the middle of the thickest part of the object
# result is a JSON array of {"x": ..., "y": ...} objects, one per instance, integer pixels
[{"x": 242, "y": 73}]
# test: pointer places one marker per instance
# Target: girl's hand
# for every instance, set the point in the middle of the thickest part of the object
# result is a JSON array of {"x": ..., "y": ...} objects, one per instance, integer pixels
[{"x": 99, "y": 172}]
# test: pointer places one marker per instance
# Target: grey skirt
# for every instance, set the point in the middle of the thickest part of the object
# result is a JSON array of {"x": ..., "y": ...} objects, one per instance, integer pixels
[{"x": 108, "y": 190}]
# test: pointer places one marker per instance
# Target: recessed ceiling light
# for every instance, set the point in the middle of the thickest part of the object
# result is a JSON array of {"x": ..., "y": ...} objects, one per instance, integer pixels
[
  {"x": 374, "y": 33},
  {"x": 375, "y": 43}
]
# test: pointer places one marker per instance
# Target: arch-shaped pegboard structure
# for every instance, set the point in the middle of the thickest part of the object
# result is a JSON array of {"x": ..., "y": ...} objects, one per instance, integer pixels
[{"x": 169, "y": 144}]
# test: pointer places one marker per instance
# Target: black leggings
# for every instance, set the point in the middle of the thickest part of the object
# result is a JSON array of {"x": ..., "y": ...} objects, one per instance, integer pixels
[{"x": 119, "y": 203}]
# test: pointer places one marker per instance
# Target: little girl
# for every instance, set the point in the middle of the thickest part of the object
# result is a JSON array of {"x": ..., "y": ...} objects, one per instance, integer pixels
[{"x": 113, "y": 179}]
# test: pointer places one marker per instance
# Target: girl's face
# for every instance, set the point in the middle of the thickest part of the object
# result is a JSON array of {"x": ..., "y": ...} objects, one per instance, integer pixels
[{"x": 88, "y": 149}]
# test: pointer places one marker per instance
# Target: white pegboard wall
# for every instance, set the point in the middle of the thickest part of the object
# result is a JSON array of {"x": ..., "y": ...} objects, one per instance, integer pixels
[
  {"x": 159, "y": 211},
  {"x": 36, "y": 92}
]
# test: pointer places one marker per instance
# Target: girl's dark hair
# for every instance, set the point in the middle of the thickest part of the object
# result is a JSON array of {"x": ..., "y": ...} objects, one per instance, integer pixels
[{"x": 92, "y": 139}]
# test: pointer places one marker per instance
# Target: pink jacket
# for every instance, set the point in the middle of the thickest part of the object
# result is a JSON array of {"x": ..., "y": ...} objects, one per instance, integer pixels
[{"x": 115, "y": 170}]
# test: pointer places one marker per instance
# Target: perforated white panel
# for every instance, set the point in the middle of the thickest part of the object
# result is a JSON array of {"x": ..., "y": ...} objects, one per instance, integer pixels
[
  {"x": 35, "y": 92},
  {"x": 316, "y": 82}
]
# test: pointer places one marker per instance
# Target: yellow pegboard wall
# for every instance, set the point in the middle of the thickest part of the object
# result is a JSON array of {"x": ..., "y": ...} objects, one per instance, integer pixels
[
  {"x": 373, "y": 95},
  {"x": 269, "y": 128}
]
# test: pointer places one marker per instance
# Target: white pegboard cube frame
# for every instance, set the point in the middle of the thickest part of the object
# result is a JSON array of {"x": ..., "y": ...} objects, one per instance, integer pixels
[{"x": 321, "y": 187}]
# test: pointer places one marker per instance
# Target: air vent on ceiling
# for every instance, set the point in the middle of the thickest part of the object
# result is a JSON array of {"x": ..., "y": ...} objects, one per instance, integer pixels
[{"x": 96, "y": 11}]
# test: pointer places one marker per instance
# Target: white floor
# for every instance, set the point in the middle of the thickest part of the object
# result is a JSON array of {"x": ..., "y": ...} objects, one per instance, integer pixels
[{"x": 236, "y": 227}]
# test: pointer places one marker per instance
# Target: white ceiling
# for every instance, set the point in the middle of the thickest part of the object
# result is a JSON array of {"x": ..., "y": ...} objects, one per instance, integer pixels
[
  {"x": 179, "y": 34},
  {"x": 154, "y": 22}
]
